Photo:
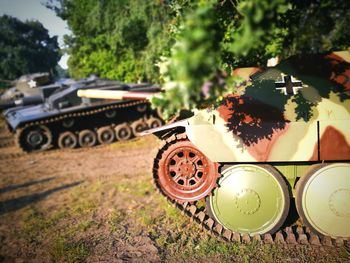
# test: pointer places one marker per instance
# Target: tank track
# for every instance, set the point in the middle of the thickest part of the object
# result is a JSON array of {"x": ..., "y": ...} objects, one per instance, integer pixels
[
  {"x": 291, "y": 235},
  {"x": 71, "y": 115}
]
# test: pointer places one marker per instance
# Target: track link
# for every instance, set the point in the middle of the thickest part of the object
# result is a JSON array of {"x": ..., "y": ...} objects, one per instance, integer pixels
[{"x": 292, "y": 235}]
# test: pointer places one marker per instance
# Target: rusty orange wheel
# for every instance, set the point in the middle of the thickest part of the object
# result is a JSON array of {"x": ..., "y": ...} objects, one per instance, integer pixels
[{"x": 184, "y": 173}]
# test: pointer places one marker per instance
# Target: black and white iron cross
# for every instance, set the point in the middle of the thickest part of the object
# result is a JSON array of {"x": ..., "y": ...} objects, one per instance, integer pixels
[{"x": 289, "y": 85}]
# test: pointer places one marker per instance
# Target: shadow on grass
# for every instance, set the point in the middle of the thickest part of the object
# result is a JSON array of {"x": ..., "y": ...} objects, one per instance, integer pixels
[
  {"x": 17, "y": 186},
  {"x": 18, "y": 203}
]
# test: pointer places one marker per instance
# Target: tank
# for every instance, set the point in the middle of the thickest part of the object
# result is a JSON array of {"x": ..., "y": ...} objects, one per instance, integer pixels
[
  {"x": 281, "y": 141},
  {"x": 28, "y": 90},
  {"x": 27, "y": 85},
  {"x": 66, "y": 120}
]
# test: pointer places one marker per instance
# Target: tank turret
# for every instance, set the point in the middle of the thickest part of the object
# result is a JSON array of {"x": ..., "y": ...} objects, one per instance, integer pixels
[
  {"x": 282, "y": 137},
  {"x": 28, "y": 90},
  {"x": 26, "y": 85}
]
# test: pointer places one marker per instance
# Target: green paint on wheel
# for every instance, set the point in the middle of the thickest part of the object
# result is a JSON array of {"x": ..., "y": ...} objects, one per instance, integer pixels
[
  {"x": 323, "y": 199},
  {"x": 251, "y": 199}
]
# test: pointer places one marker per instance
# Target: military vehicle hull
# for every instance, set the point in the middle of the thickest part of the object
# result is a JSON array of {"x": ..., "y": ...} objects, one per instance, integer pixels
[
  {"x": 281, "y": 141},
  {"x": 66, "y": 121}
]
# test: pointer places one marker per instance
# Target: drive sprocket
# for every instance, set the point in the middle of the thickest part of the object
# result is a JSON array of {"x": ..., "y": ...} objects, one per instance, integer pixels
[{"x": 183, "y": 172}]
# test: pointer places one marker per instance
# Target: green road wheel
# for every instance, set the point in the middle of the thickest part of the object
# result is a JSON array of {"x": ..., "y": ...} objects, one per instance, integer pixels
[
  {"x": 323, "y": 199},
  {"x": 251, "y": 199}
]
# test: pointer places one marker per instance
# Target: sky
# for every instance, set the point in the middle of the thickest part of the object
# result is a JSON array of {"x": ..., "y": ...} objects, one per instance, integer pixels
[{"x": 34, "y": 10}]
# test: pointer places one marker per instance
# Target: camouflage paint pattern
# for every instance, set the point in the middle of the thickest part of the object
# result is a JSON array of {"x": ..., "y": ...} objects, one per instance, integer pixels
[{"x": 297, "y": 111}]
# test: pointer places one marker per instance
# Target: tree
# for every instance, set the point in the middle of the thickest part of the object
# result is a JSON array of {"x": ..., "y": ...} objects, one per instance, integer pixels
[
  {"x": 26, "y": 47},
  {"x": 115, "y": 39}
]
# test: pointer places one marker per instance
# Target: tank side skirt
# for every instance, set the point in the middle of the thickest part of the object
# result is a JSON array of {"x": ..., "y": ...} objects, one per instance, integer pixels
[{"x": 289, "y": 235}]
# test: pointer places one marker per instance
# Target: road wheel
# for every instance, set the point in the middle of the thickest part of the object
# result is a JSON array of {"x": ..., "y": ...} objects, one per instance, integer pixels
[
  {"x": 323, "y": 199},
  {"x": 67, "y": 140},
  {"x": 87, "y": 138},
  {"x": 252, "y": 199},
  {"x": 138, "y": 127},
  {"x": 123, "y": 132},
  {"x": 34, "y": 138},
  {"x": 183, "y": 173},
  {"x": 154, "y": 122},
  {"x": 105, "y": 135}
]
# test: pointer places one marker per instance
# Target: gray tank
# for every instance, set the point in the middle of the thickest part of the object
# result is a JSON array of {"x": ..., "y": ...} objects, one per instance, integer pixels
[
  {"x": 28, "y": 90},
  {"x": 65, "y": 120}
]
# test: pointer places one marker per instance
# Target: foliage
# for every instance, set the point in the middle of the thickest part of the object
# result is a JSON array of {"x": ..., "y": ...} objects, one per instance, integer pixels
[
  {"x": 26, "y": 47},
  {"x": 250, "y": 32},
  {"x": 115, "y": 39},
  {"x": 193, "y": 63}
]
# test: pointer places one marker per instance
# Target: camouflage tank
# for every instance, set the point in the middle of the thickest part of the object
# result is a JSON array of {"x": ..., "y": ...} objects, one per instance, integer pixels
[
  {"x": 281, "y": 141},
  {"x": 283, "y": 137},
  {"x": 65, "y": 120}
]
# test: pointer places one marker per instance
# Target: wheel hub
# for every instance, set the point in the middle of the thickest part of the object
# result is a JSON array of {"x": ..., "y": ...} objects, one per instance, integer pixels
[
  {"x": 87, "y": 139},
  {"x": 337, "y": 202},
  {"x": 247, "y": 201},
  {"x": 68, "y": 141},
  {"x": 106, "y": 135},
  {"x": 140, "y": 128},
  {"x": 123, "y": 132},
  {"x": 35, "y": 138},
  {"x": 186, "y": 169}
]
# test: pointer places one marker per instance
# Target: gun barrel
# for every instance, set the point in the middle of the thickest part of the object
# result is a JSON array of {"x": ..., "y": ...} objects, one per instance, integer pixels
[
  {"x": 25, "y": 101},
  {"x": 115, "y": 94}
]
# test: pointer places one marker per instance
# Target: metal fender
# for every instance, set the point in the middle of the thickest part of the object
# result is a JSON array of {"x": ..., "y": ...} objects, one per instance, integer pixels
[{"x": 183, "y": 123}]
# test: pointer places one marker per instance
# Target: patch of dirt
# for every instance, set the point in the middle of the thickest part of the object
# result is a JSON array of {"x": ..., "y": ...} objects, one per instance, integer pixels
[{"x": 52, "y": 181}]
